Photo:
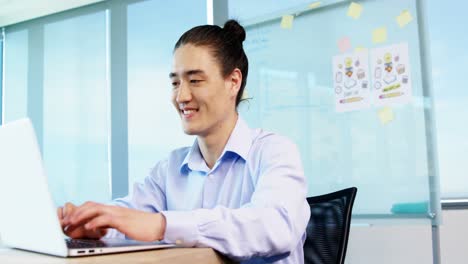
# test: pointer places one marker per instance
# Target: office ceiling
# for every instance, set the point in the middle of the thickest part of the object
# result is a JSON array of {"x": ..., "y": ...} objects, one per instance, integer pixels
[
  {"x": 15, "y": 11},
  {"x": 10, "y": 6}
]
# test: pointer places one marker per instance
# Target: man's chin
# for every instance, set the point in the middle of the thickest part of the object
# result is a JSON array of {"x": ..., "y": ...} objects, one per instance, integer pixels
[{"x": 190, "y": 131}]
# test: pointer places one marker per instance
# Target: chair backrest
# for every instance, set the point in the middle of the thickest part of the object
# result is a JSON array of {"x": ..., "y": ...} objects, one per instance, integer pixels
[{"x": 328, "y": 227}]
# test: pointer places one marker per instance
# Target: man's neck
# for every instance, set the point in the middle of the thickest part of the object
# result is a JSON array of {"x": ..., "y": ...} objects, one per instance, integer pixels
[{"x": 212, "y": 146}]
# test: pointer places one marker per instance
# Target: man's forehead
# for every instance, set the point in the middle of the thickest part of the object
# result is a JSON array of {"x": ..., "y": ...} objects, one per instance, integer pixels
[
  {"x": 186, "y": 66},
  {"x": 189, "y": 57}
]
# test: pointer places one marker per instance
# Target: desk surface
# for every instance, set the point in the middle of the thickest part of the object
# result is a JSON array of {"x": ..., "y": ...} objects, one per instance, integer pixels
[{"x": 171, "y": 255}]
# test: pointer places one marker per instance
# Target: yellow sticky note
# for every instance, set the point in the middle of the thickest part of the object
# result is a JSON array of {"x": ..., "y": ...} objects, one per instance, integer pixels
[
  {"x": 287, "y": 21},
  {"x": 359, "y": 48},
  {"x": 354, "y": 10},
  {"x": 379, "y": 35},
  {"x": 314, "y": 5},
  {"x": 386, "y": 115},
  {"x": 404, "y": 18}
]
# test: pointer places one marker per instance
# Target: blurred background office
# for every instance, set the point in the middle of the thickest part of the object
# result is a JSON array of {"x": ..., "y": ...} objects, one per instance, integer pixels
[{"x": 93, "y": 77}]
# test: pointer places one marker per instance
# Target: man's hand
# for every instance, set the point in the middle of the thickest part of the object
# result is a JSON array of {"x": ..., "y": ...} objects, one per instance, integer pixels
[
  {"x": 91, "y": 220},
  {"x": 77, "y": 231}
]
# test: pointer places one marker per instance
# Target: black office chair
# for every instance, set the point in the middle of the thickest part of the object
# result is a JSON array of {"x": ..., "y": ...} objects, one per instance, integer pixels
[{"x": 328, "y": 227}]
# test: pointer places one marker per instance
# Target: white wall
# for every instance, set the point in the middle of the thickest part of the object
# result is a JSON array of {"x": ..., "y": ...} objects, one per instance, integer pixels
[
  {"x": 410, "y": 244},
  {"x": 454, "y": 237},
  {"x": 14, "y": 11},
  {"x": 402, "y": 244}
]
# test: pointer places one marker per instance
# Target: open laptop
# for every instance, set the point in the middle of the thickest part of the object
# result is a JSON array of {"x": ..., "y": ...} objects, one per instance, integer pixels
[{"x": 28, "y": 216}]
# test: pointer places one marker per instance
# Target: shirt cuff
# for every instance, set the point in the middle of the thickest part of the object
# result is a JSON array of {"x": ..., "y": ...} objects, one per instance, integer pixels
[{"x": 181, "y": 228}]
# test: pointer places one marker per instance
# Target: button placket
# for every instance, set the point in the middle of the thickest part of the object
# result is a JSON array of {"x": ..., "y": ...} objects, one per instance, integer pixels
[{"x": 209, "y": 191}]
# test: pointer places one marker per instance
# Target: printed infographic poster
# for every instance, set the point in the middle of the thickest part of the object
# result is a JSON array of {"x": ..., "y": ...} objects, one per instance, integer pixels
[
  {"x": 391, "y": 78},
  {"x": 351, "y": 81}
]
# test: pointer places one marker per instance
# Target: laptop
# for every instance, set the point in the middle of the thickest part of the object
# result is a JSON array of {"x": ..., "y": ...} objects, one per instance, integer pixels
[{"x": 28, "y": 218}]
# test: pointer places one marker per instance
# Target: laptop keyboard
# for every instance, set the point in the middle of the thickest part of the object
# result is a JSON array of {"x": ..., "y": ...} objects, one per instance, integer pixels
[
  {"x": 84, "y": 243},
  {"x": 91, "y": 243}
]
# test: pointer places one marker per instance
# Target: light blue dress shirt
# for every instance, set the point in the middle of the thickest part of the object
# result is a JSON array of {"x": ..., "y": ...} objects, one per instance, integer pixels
[{"x": 251, "y": 206}]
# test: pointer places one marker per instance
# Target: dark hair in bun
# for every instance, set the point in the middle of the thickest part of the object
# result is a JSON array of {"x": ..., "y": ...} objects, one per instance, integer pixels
[
  {"x": 235, "y": 30},
  {"x": 226, "y": 45}
]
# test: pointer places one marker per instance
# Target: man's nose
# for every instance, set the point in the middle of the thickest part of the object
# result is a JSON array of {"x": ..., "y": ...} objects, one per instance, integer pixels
[{"x": 184, "y": 94}]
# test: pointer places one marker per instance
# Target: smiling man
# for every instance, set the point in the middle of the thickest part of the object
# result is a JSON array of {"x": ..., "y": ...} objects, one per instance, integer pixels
[{"x": 238, "y": 190}]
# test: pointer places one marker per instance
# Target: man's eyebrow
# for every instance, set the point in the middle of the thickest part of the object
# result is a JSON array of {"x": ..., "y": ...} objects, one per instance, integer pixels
[
  {"x": 194, "y": 72},
  {"x": 187, "y": 73}
]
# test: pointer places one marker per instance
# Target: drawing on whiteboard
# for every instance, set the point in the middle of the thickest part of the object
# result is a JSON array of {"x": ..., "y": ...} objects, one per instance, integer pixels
[
  {"x": 391, "y": 85},
  {"x": 349, "y": 67},
  {"x": 351, "y": 81}
]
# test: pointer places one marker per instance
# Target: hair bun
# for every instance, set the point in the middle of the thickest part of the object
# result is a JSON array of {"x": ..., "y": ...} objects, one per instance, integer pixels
[{"x": 233, "y": 28}]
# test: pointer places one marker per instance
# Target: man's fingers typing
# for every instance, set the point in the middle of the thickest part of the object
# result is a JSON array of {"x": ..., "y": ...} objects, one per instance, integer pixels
[
  {"x": 68, "y": 208},
  {"x": 103, "y": 221},
  {"x": 84, "y": 214}
]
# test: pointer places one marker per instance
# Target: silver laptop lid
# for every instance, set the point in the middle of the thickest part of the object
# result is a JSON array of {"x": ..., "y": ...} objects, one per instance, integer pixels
[{"x": 28, "y": 216}]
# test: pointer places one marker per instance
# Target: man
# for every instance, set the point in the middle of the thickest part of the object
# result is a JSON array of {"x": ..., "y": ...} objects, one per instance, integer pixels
[{"x": 238, "y": 190}]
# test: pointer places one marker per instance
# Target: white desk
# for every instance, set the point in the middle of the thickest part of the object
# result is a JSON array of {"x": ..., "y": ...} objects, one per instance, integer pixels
[{"x": 165, "y": 256}]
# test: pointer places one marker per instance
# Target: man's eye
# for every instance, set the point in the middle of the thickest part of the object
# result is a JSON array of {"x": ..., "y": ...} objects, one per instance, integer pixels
[
  {"x": 195, "y": 81},
  {"x": 175, "y": 84}
]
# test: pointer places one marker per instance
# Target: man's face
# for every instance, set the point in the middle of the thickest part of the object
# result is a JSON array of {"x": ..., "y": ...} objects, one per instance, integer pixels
[{"x": 201, "y": 95}]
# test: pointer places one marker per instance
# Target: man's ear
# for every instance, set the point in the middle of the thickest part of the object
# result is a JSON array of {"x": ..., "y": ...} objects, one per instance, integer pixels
[{"x": 234, "y": 81}]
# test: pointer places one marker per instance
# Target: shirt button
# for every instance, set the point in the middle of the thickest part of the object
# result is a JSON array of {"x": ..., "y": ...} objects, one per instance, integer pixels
[{"x": 211, "y": 176}]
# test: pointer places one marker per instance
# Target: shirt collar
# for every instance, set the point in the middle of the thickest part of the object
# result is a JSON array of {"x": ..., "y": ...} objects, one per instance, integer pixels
[
  {"x": 239, "y": 143},
  {"x": 240, "y": 140},
  {"x": 194, "y": 159}
]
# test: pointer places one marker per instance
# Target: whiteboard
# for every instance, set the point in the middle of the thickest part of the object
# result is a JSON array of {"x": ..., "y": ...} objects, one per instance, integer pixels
[{"x": 291, "y": 84}]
